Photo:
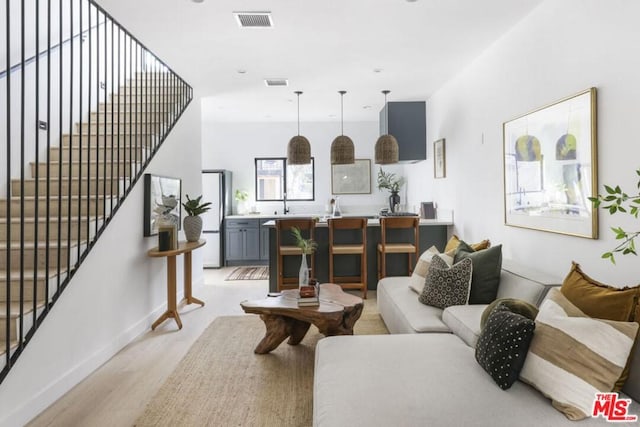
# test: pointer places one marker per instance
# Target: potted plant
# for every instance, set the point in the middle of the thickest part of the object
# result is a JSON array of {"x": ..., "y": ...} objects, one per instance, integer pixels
[
  {"x": 192, "y": 222},
  {"x": 241, "y": 197},
  {"x": 389, "y": 181},
  {"x": 617, "y": 201},
  {"x": 307, "y": 246}
]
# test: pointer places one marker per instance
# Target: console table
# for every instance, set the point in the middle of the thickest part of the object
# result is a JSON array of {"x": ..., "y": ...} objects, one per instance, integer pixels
[{"x": 183, "y": 248}]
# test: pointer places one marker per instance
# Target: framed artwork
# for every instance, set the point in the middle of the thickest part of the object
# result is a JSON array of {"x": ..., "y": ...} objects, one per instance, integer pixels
[
  {"x": 439, "y": 159},
  {"x": 351, "y": 179},
  {"x": 162, "y": 195},
  {"x": 550, "y": 167}
]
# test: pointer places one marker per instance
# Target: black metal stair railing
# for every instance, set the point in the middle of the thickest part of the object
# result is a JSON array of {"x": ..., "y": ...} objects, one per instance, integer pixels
[{"x": 85, "y": 108}]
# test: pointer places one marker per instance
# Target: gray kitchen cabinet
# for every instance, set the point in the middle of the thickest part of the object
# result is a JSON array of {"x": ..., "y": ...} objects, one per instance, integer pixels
[
  {"x": 242, "y": 241},
  {"x": 264, "y": 239},
  {"x": 407, "y": 122}
]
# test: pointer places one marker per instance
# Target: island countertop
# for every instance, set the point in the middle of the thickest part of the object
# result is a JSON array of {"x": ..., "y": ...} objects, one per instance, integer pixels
[{"x": 371, "y": 222}]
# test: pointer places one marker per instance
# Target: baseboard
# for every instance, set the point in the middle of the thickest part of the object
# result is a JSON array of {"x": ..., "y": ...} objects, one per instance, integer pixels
[{"x": 72, "y": 377}]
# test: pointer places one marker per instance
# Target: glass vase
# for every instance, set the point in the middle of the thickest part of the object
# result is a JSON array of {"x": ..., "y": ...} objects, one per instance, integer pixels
[{"x": 303, "y": 275}]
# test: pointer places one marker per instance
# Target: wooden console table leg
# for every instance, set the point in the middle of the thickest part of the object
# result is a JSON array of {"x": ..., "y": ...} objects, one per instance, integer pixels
[
  {"x": 187, "y": 281},
  {"x": 172, "y": 309}
]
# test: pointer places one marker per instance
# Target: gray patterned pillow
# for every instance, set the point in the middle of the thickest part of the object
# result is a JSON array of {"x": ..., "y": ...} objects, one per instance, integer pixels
[{"x": 445, "y": 286}]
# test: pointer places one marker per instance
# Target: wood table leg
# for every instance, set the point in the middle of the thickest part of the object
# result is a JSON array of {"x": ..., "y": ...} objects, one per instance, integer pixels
[
  {"x": 172, "y": 309},
  {"x": 345, "y": 327},
  {"x": 187, "y": 281},
  {"x": 298, "y": 329}
]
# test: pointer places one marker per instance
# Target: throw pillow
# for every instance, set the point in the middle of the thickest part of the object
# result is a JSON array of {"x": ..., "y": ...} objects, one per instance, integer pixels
[
  {"x": 502, "y": 345},
  {"x": 572, "y": 356},
  {"x": 446, "y": 286},
  {"x": 416, "y": 281},
  {"x": 487, "y": 264},
  {"x": 514, "y": 305},
  {"x": 454, "y": 242},
  {"x": 596, "y": 299}
]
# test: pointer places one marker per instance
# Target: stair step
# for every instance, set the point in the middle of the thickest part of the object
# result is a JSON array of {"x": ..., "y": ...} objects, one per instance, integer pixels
[
  {"x": 14, "y": 307},
  {"x": 26, "y": 285},
  {"x": 109, "y": 140},
  {"x": 151, "y": 82},
  {"x": 13, "y": 345},
  {"x": 108, "y": 186},
  {"x": 128, "y": 106},
  {"x": 122, "y": 128},
  {"x": 160, "y": 88},
  {"x": 86, "y": 169},
  {"x": 78, "y": 228},
  {"x": 94, "y": 152},
  {"x": 68, "y": 252},
  {"x": 58, "y": 204},
  {"x": 128, "y": 116},
  {"x": 141, "y": 98}
]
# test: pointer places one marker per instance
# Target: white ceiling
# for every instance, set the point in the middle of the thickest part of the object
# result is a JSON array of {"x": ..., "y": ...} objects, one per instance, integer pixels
[{"x": 320, "y": 46}]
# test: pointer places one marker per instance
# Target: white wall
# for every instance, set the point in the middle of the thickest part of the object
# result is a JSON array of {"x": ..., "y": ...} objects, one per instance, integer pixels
[
  {"x": 560, "y": 49},
  {"x": 234, "y": 146},
  {"x": 115, "y": 296}
]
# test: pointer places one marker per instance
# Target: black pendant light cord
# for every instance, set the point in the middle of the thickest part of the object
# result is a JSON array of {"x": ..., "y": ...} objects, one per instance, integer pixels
[
  {"x": 298, "y": 93},
  {"x": 342, "y": 92},
  {"x": 386, "y": 108}
]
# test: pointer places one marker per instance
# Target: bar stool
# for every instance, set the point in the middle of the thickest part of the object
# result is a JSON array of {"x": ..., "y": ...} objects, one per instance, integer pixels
[
  {"x": 285, "y": 246},
  {"x": 349, "y": 282},
  {"x": 409, "y": 248}
]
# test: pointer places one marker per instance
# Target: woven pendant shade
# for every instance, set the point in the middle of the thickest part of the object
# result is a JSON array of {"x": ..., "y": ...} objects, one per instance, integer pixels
[
  {"x": 387, "y": 150},
  {"x": 299, "y": 148},
  {"x": 299, "y": 151},
  {"x": 342, "y": 151}
]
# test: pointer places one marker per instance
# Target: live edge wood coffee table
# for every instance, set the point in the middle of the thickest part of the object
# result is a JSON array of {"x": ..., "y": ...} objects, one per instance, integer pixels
[{"x": 336, "y": 315}]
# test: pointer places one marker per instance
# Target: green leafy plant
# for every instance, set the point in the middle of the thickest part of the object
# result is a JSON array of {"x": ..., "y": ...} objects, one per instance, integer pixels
[
  {"x": 194, "y": 207},
  {"x": 308, "y": 246},
  {"x": 389, "y": 181},
  {"x": 617, "y": 201},
  {"x": 241, "y": 195}
]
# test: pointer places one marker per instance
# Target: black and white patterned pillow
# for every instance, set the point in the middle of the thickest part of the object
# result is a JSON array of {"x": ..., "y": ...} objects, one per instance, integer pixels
[
  {"x": 503, "y": 344},
  {"x": 445, "y": 286}
]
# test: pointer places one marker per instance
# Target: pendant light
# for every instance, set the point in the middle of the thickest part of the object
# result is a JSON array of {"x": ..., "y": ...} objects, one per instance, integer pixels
[
  {"x": 386, "y": 145},
  {"x": 342, "y": 146},
  {"x": 299, "y": 149}
]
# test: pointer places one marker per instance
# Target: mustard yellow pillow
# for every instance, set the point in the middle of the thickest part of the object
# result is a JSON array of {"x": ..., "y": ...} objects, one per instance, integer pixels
[
  {"x": 454, "y": 242},
  {"x": 598, "y": 300}
]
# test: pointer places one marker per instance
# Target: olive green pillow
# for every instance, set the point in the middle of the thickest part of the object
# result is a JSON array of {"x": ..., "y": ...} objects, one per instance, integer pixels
[
  {"x": 514, "y": 305},
  {"x": 485, "y": 279}
]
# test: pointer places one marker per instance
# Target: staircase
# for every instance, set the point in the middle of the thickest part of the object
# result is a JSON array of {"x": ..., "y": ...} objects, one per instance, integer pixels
[{"x": 60, "y": 201}]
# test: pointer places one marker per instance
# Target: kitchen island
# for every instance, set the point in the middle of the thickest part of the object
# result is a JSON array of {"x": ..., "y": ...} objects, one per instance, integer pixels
[{"x": 433, "y": 232}]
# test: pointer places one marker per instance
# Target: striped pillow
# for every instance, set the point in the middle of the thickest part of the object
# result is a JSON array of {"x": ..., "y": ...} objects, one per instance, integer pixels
[
  {"x": 416, "y": 281},
  {"x": 573, "y": 356}
]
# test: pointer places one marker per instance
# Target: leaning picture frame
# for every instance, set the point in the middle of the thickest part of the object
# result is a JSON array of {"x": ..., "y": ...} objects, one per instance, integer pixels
[
  {"x": 162, "y": 196},
  {"x": 352, "y": 178},
  {"x": 550, "y": 167}
]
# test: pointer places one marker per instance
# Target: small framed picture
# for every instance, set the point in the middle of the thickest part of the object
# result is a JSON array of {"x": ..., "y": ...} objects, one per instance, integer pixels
[
  {"x": 439, "y": 159},
  {"x": 161, "y": 202}
]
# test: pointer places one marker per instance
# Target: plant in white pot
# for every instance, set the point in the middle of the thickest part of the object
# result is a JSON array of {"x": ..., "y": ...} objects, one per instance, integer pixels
[
  {"x": 192, "y": 222},
  {"x": 241, "y": 197},
  {"x": 307, "y": 246}
]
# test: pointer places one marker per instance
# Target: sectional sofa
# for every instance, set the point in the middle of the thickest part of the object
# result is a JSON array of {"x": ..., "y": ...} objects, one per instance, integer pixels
[{"x": 425, "y": 373}]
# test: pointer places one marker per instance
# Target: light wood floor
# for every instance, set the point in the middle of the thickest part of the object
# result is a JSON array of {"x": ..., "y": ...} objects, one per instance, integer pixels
[{"x": 117, "y": 392}]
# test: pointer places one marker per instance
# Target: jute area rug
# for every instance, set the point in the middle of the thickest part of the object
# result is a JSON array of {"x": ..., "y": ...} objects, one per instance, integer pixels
[
  {"x": 249, "y": 273},
  {"x": 221, "y": 382}
]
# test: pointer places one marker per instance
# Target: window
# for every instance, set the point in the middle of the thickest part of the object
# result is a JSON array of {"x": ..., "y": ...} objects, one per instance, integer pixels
[{"x": 273, "y": 173}]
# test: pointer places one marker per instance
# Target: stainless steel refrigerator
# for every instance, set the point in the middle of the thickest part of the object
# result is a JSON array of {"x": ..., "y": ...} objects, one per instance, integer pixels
[{"x": 216, "y": 188}]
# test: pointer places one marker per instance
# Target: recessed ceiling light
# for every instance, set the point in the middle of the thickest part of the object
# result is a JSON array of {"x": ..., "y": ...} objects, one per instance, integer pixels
[
  {"x": 198, "y": 1},
  {"x": 377, "y": 70},
  {"x": 366, "y": 107},
  {"x": 242, "y": 71},
  {"x": 332, "y": 116}
]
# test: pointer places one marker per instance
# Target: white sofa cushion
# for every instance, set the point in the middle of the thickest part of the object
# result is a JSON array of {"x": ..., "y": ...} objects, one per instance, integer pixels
[
  {"x": 464, "y": 321},
  {"x": 420, "y": 380},
  {"x": 401, "y": 310}
]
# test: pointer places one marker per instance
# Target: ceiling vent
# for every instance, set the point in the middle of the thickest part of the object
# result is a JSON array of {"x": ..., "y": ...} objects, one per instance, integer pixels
[
  {"x": 254, "y": 19},
  {"x": 276, "y": 82}
]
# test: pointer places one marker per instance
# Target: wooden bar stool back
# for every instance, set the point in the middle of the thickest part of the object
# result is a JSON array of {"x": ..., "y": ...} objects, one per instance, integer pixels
[
  {"x": 410, "y": 248},
  {"x": 349, "y": 282},
  {"x": 285, "y": 246}
]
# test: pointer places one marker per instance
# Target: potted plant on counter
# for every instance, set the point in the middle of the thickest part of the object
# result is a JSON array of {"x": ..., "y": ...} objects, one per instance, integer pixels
[
  {"x": 241, "y": 197},
  {"x": 192, "y": 222},
  {"x": 389, "y": 181}
]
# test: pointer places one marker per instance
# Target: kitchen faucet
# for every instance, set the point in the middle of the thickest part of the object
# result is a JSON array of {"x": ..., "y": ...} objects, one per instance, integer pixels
[{"x": 284, "y": 200}]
